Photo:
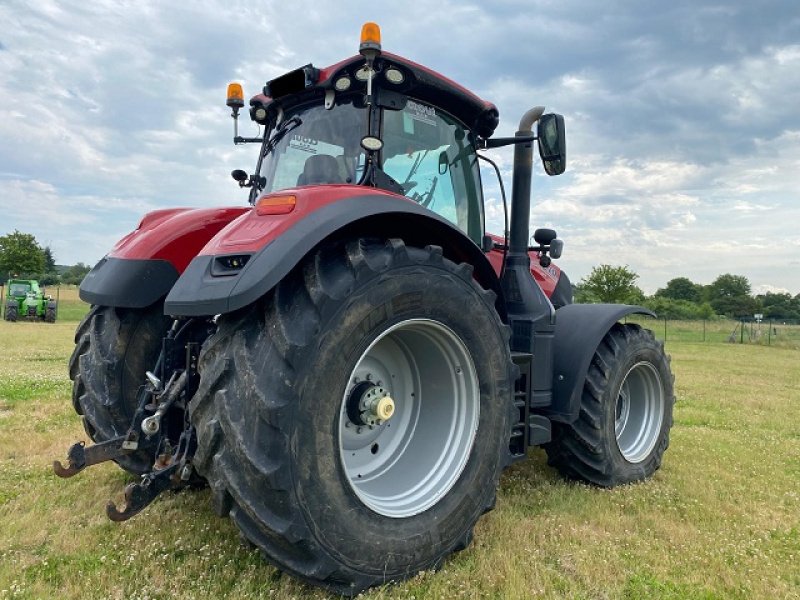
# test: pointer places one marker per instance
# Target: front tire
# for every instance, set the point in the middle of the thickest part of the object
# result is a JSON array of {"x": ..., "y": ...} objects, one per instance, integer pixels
[
  {"x": 280, "y": 404},
  {"x": 113, "y": 349},
  {"x": 625, "y": 414},
  {"x": 11, "y": 313}
]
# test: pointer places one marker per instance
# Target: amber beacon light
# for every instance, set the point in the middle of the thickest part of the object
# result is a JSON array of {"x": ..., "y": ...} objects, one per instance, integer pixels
[{"x": 370, "y": 39}]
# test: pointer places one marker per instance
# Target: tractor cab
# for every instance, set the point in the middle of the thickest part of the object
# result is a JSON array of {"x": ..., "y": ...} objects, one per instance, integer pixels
[{"x": 374, "y": 120}]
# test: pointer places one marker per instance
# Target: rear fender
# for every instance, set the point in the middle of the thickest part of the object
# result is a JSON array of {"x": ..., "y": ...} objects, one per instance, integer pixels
[
  {"x": 145, "y": 264},
  {"x": 206, "y": 288},
  {"x": 579, "y": 330}
]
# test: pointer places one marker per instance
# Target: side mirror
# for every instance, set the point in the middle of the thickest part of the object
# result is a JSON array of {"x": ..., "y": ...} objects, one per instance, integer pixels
[
  {"x": 556, "y": 248},
  {"x": 543, "y": 236},
  {"x": 552, "y": 143},
  {"x": 239, "y": 175}
]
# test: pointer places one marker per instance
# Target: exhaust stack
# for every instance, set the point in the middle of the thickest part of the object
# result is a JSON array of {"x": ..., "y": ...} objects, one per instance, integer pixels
[
  {"x": 530, "y": 313},
  {"x": 521, "y": 184}
]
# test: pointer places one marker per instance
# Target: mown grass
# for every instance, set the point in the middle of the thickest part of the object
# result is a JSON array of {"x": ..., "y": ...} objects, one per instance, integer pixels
[{"x": 721, "y": 519}]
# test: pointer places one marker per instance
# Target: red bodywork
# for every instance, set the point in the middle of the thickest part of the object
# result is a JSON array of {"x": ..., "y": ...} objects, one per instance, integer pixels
[
  {"x": 546, "y": 277},
  {"x": 252, "y": 232},
  {"x": 177, "y": 235}
]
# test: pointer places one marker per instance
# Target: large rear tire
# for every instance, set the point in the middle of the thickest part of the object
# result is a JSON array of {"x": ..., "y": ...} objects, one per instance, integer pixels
[
  {"x": 284, "y": 438},
  {"x": 625, "y": 415},
  {"x": 113, "y": 349}
]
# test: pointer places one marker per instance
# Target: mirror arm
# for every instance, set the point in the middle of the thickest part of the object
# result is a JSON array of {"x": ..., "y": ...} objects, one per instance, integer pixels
[{"x": 483, "y": 144}]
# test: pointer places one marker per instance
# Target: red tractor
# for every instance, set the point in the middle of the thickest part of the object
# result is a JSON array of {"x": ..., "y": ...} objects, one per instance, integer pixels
[{"x": 350, "y": 362}]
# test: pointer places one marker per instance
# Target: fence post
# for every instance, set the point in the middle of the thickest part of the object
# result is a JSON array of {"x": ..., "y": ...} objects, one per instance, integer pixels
[
  {"x": 704, "y": 330},
  {"x": 769, "y": 334},
  {"x": 665, "y": 329},
  {"x": 741, "y": 332}
]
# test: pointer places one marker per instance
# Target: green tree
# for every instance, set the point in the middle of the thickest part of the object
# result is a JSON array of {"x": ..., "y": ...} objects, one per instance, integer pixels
[
  {"x": 75, "y": 274},
  {"x": 730, "y": 295},
  {"x": 679, "y": 309},
  {"x": 780, "y": 306},
  {"x": 610, "y": 284},
  {"x": 681, "y": 288},
  {"x": 50, "y": 275},
  {"x": 20, "y": 255},
  {"x": 49, "y": 260}
]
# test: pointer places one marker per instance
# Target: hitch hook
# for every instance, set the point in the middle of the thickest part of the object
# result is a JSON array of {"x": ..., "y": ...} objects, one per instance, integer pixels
[
  {"x": 79, "y": 456},
  {"x": 139, "y": 496}
]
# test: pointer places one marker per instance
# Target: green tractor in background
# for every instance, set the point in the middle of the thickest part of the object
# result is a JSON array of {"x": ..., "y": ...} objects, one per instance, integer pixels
[{"x": 26, "y": 300}]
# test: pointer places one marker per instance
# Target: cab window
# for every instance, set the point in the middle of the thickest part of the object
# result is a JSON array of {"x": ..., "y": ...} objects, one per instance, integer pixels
[{"x": 429, "y": 154}]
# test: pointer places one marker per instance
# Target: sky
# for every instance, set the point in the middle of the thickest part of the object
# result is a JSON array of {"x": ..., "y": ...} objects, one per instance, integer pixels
[{"x": 682, "y": 118}]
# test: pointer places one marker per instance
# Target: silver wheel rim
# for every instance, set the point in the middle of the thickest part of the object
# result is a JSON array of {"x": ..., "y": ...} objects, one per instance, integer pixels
[
  {"x": 639, "y": 412},
  {"x": 406, "y": 464}
]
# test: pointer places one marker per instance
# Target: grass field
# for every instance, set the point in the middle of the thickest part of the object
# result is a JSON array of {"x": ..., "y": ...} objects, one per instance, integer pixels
[
  {"x": 721, "y": 519},
  {"x": 725, "y": 331}
]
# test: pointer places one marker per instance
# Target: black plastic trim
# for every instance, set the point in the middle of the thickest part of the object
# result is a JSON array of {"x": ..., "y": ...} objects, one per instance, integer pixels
[
  {"x": 562, "y": 294},
  {"x": 198, "y": 292},
  {"x": 579, "y": 330},
  {"x": 127, "y": 283}
]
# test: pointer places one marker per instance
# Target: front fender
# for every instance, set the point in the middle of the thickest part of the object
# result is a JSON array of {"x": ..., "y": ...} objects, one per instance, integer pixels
[
  {"x": 579, "y": 330},
  {"x": 206, "y": 288}
]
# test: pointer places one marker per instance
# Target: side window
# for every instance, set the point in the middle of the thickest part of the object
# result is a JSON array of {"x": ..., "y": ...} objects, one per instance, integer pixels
[{"x": 429, "y": 154}]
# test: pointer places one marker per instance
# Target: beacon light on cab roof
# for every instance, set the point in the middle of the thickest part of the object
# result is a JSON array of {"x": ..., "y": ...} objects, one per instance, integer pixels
[
  {"x": 235, "y": 95},
  {"x": 370, "y": 39}
]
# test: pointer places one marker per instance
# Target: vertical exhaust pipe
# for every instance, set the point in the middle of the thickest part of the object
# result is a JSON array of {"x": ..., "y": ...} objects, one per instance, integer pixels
[
  {"x": 521, "y": 184},
  {"x": 530, "y": 313}
]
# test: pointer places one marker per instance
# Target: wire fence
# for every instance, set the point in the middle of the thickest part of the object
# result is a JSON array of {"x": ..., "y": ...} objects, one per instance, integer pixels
[{"x": 766, "y": 332}]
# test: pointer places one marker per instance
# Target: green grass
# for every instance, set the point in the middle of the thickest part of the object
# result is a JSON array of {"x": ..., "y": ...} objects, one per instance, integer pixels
[
  {"x": 722, "y": 330},
  {"x": 721, "y": 519}
]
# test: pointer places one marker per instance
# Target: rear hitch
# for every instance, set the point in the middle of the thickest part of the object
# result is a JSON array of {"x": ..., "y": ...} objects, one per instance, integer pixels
[
  {"x": 79, "y": 456},
  {"x": 171, "y": 472},
  {"x": 140, "y": 495},
  {"x": 152, "y": 429}
]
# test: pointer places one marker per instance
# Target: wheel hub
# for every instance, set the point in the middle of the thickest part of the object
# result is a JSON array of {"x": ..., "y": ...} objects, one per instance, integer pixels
[{"x": 369, "y": 404}]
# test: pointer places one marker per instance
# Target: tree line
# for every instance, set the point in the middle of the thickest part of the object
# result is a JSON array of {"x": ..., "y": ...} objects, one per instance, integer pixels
[
  {"x": 728, "y": 295},
  {"x": 21, "y": 257}
]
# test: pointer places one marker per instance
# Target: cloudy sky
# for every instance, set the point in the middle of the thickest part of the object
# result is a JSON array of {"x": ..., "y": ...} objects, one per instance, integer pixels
[{"x": 683, "y": 118}]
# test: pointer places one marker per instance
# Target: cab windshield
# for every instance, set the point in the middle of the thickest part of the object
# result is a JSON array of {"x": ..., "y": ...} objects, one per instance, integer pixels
[
  {"x": 316, "y": 145},
  {"x": 18, "y": 289},
  {"x": 427, "y": 152}
]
